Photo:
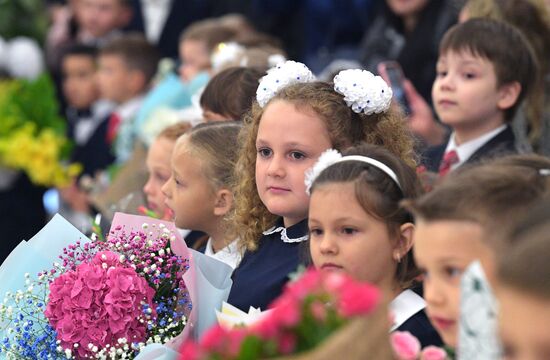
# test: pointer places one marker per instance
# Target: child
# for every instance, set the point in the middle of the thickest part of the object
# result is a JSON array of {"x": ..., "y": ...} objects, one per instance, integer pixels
[
  {"x": 126, "y": 66},
  {"x": 478, "y": 87},
  {"x": 230, "y": 93},
  {"x": 464, "y": 220},
  {"x": 357, "y": 227},
  {"x": 159, "y": 167},
  {"x": 289, "y": 126},
  {"x": 199, "y": 189},
  {"x": 523, "y": 293},
  {"x": 86, "y": 116},
  {"x": 197, "y": 43}
]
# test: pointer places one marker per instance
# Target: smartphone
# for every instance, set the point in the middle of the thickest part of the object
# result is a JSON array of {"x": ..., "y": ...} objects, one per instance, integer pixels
[{"x": 391, "y": 72}]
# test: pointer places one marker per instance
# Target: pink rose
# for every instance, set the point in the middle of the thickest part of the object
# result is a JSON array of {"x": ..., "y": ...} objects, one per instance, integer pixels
[
  {"x": 266, "y": 328},
  {"x": 433, "y": 353},
  {"x": 306, "y": 284},
  {"x": 286, "y": 310},
  {"x": 357, "y": 299},
  {"x": 287, "y": 343},
  {"x": 405, "y": 345},
  {"x": 190, "y": 351},
  {"x": 319, "y": 310},
  {"x": 214, "y": 338}
]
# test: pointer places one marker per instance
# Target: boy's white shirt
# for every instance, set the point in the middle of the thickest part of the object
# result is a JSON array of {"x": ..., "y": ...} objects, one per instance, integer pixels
[
  {"x": 229, "y": 254},
  {"x": 466, "y": 150},
  {"x": 404, "y": 306},
  {"x": 155, "y": 13}
]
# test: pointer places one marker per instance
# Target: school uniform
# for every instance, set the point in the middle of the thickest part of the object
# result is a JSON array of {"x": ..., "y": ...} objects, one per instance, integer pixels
[
  {"x": 229, "y": 255},
  {"x": 408, "y": 311},
  {"x": 496, "y": 143},
  {"x": 262, "y": 274}
]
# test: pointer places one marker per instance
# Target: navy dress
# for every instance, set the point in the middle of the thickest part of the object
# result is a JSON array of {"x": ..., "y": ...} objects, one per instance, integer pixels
[
  {"x": 420, "y": 326},
  {"x": 262, "y": 274}
]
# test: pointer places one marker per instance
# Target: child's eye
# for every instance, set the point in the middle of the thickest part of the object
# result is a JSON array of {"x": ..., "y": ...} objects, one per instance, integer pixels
[
  {"x": 441, "y": 73},
  {"x": 296, "y": 155},
  {"x": 348, "y": 230},
  {"x": 469, "y": 75},
  {"x": 316, "y": 232},
  {"x": 452, "y": 272},
  {"x": 264, "y": 152}
]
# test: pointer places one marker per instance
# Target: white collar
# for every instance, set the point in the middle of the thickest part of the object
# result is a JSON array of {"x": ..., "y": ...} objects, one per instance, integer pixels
[
  {"x": 229, "y": 254},
  {"x": 404, "y": 306},
  {"x": 467, "y": 149},
  {"x": 284, "y": 236},
  {"x": 129, "y": 108}
]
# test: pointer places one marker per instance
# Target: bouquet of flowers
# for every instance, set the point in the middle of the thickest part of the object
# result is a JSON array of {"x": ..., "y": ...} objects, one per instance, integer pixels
[
  {"x": 103, "y": 299},
  {"x": 32, "y": 135},
  {"x": 309, "y": 311},
  {"x": 407, "y": 347}
]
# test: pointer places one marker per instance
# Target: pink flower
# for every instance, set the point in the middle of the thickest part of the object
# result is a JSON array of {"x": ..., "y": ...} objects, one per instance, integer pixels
[
  {"x": 214, "y": 339},
  {"x": 319, "y": 310},
  {"x": 266, "y": 328},
  {"x": 308, "y": 283},
  {"x": 405, "y": 345},
  {"x": 286, "y": 310},
  {"x": 99, "y": 304},
  {"x": 190, "y": 351},
  {"x": 287, "y": 343},
  {"x": 358, "y": 299},
  {"x": 433, "y": 353}
]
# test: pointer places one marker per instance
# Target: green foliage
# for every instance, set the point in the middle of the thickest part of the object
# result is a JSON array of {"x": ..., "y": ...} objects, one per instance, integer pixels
[{"x": 23, "y": 18}]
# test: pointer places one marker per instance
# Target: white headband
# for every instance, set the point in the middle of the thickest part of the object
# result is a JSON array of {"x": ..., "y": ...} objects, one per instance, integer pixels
[{"x": 331, "y": 157}]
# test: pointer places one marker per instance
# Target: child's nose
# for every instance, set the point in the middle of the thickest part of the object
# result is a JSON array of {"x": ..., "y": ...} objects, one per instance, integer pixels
[
  {"x": 433, "y": 293},
  {"x": 165, "y": 189},
  {"x": 446, "y": 82},
  {"x": 327, "y": 244},
  {"x": 276, "y": 167}
]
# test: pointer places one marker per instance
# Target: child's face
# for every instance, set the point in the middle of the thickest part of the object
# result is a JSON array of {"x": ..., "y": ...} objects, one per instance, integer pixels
[
  {"x": 465, "y": 92},
  {"x": 288, "y": 143},
  {"x": 194, "y": 58},
  {"x": 79, "y": 81},
  {"x": 523, "y": 324},
  {"x": 159, "y": 168},
  {"x": 443, "y": 250},
  {"x": 113, "y": 78},
  {"x": 188, "y": 192},
  {"x": 403, "y": 8},
  {"x": 343, "y": 237},
  {"x": 100, "y": 17}
]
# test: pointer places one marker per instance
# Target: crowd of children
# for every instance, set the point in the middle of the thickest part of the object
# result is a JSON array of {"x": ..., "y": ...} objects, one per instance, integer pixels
[{"x": 265, "y": 168}]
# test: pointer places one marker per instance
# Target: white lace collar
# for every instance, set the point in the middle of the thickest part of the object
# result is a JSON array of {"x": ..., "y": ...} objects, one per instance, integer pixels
[{"x": 284, "y": 235}]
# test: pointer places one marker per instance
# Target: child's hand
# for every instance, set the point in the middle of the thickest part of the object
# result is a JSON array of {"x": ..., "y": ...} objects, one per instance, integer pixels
[{"x": 421, "y": 120}]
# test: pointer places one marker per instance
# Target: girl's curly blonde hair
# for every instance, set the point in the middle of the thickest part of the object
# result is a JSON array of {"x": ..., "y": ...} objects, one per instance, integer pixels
[{"x": 345, "y": 127}]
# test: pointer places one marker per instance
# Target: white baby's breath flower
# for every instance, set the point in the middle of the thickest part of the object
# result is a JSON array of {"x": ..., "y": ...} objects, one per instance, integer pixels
[{"x": 23, "y": 58}]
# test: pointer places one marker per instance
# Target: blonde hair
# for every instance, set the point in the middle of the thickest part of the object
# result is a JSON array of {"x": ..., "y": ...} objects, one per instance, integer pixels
[
  {"x": 345, "y": 127},
  {"x": 214, "y": 144},
  {"x": 173, "y": 132}
]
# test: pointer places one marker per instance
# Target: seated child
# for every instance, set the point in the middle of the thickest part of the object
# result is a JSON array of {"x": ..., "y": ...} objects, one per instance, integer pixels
[
  {"x": 86, "y": 126},
  {"x": 230, "y": 93},
  {"x": 199, "y": 189},
  {"x": 523, "y": 290},
  {"x": 479, "y": 85},
  {"x": 356, "y": 226},
  {"x": 292, "y": 122},
  {"x": 126, "y": 66},
  {"x": 160, "y": 169},
  {"x": 465, "y": 219},
  {"x": 86, "y": 114}
]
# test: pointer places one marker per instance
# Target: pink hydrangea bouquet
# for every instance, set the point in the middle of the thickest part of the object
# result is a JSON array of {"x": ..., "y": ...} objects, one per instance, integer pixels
[
  {"x": 308, "y": 312},
  {"x": 102, "y": 299},
  {"x": 407, "y": 347}
]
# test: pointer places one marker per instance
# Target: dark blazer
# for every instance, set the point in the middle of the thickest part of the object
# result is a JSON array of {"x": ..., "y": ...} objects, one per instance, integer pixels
[
  {"x": 181, "y": 14},
  {"x": 504, "y": 143},
  {"x": 419, "y": 325}
]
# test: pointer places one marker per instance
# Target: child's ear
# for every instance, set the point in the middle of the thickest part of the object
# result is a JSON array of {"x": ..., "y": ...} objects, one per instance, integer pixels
[
  {"x": 137, "y": 81},
  {"x": 404, "y": 242},
  {"x": 508, "y": 95},
  {"x": 223, "y": 202}
]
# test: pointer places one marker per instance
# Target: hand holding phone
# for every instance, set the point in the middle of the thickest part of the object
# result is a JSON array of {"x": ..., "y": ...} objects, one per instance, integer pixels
[{"x": 391, "y": 72}]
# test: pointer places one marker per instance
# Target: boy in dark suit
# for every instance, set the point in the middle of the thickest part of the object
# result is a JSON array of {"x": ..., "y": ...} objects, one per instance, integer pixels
[{"x": 484, "y": 71}]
